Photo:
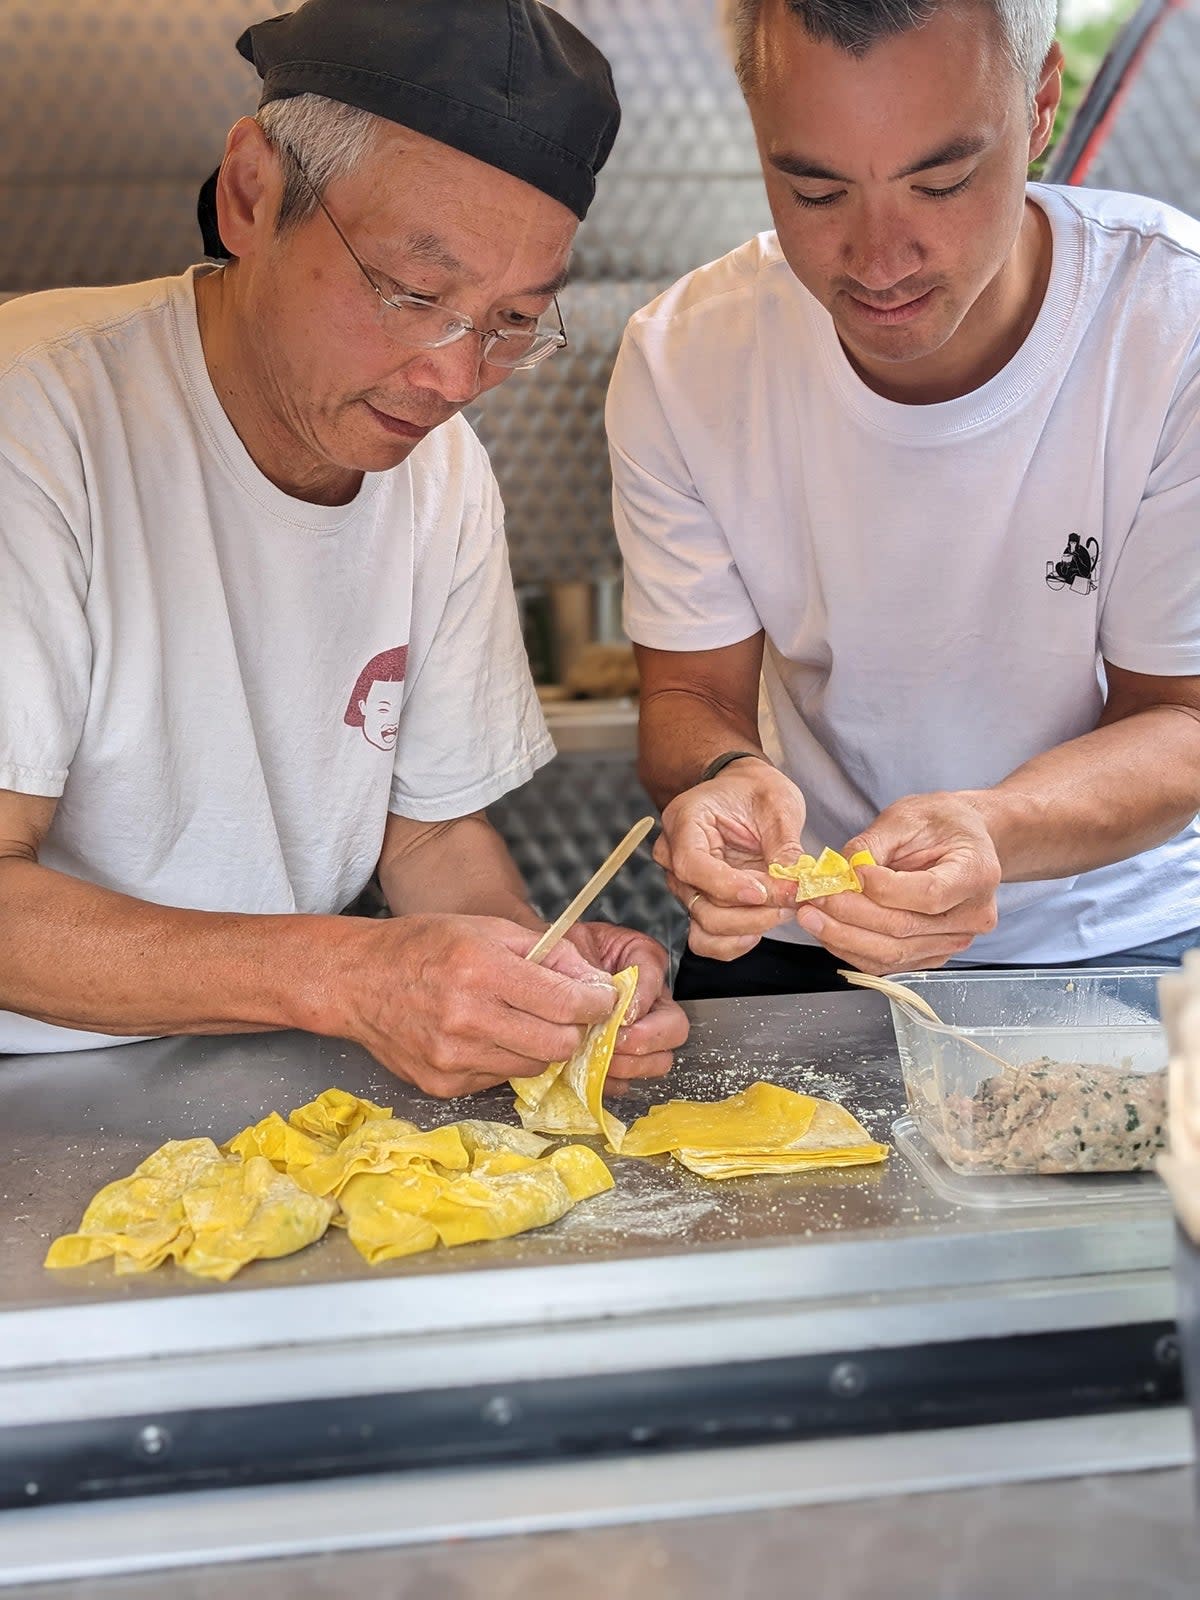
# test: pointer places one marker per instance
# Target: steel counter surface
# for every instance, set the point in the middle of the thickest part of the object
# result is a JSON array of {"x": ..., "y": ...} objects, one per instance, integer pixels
[
  {"x": 813, "y": 1308},
  {"x": 74, "y": 1122},
  {"x": 662, "y": 1240}
]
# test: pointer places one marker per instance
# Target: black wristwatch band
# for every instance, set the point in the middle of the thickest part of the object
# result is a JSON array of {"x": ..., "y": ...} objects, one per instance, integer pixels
[{"x": 722, "y": 762}]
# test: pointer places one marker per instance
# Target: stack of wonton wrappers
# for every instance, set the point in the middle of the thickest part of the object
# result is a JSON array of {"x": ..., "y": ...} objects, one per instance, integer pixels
[
  {"x": 279, "y": 1184},
  {"x": 763, "y": 1129}
]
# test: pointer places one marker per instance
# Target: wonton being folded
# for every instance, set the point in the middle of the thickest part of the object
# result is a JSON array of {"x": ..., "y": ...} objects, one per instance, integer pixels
[
  {"x": 567, "y": 1097},
  {"x": 830, "y": 873},
  {"x": 765, "y": 1128}
]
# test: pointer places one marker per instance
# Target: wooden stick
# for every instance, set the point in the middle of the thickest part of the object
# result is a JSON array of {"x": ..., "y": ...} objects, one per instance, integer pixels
[{"x": 591, "y": 889}]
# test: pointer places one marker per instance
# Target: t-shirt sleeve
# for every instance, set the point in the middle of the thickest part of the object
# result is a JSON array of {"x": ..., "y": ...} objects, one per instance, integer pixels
[
  {"x": 45, "y": 644},
  {"x": 682, "y": 587},
  {"x": 1151, "y": 617},
  {"x": 471, "y": 728}
]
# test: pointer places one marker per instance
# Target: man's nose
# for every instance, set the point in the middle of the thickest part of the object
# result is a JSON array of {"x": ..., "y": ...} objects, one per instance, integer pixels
[
  {"x": 880, "y": 251},
  {"x": 453, "y": 371}
]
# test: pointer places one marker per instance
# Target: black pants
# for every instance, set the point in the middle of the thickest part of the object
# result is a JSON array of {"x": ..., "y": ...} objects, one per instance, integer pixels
[{"x": 772, "y": 967}]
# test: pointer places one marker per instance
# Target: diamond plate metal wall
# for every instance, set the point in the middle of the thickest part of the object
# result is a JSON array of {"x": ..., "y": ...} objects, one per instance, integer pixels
[
  {"x": 683, "y": 184},
  {"x": 544, "y": 432},
  {"x": 1153, "y": 144},
  {"x": 112, "y": 115},
  {"x": 564, "y": 822}
]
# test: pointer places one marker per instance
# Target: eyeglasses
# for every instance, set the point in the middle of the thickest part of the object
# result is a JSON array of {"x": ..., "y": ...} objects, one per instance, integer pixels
[{"x": 416, "y": 321}]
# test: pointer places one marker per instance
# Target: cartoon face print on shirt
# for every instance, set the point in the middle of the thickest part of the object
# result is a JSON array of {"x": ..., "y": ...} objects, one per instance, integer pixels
[{"x": 375, "y": 701}]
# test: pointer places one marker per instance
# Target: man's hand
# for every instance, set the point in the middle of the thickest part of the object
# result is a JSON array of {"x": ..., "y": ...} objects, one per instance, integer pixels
[
  {"x": 450, "y": 1004},
  {"x": 933, "y": 891},
  {"x": 656, "y": 1025},
  {"x": 717, "y": 841}
]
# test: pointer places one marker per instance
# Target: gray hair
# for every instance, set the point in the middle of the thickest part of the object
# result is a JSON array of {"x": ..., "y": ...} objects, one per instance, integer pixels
[
  {"x": 329, "y": 139},
  {"x": 1027, "y": 27}
]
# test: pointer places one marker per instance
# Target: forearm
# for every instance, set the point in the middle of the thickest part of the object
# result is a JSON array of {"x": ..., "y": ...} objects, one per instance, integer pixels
[
  {"x": 1101, "y": 798},
  {"x": 695, "y": 706},
  {"x": 679, "y": 733},
  {"x": 80, "y": 956},
  {"x": 461, "y": 866}
]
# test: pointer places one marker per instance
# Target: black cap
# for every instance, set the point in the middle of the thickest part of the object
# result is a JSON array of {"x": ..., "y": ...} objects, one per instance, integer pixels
[{"x": 507, "y": 81}]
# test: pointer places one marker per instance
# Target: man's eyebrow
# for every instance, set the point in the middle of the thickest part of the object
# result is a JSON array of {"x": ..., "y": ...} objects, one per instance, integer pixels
[
  {"x": 960, "y": 149},
  {"x": 552, "y": 286},
  {"x": 434, "y": 252}
]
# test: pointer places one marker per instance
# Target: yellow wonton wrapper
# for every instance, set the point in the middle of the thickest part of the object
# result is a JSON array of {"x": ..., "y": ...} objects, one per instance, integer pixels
[
  {"x": 213, "y": 1213},
  {"x": 383, "y": 1147},
  {"x": 505, "y": 1193},
  {"x": 278, "y": 1185},
  {"x": 286, "y": 1147},
  {"x": 246, "y": 1211},
  {"x": 762, "y": 1117},
  {"x": 567, "y": 1097},
  {"x": 139, "y": 1219},
  {"x": 764, "y": 1129},
  {"x": 830, "y": 873},
  {"x": 335, "y": 1113},
  {"x": 480, "y": 1137}
]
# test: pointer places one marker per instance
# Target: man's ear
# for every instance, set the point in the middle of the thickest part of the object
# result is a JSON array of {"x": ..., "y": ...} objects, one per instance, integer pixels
[
  {"x": 248, "y": 188},
  {"x": 1045, "y": 104}
]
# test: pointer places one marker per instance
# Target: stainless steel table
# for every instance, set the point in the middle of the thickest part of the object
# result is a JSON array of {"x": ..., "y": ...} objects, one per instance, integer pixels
[{"x": 821, "y": 1334}]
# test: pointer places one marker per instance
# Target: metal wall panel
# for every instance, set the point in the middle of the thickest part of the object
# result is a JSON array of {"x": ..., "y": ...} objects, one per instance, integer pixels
[
  {"x": 1153, "y": 144},
  {"x": 544, "y": 432},
  {"x": 113, "y": 113},
  {"x": 564, "y": 822}
]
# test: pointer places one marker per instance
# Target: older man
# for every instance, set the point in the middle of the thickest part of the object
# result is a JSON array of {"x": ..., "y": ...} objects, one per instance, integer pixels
[
  {"x": 259, "y": 637},
  {"x": 926, "y": 461}
]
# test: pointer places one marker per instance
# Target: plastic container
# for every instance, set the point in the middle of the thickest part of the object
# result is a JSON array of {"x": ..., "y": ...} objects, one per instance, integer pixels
[
  {"x": 1024, "y": 1191},
  {"x": 1084, "y": 1088}
]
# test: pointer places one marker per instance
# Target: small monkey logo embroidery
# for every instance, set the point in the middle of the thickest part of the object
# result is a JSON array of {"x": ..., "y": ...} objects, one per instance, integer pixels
[
  {"x": 375, "y": 702},
  {"x": 1077, "y": 567}
]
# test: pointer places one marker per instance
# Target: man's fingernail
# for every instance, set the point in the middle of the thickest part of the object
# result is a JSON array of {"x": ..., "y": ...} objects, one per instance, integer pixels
[
  {"x": 812, "y": 921},
  {"x": 753, "y": 894}
]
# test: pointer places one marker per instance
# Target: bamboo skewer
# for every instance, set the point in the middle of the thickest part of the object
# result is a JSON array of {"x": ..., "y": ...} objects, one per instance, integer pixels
[{"x": 590, "y": 890}]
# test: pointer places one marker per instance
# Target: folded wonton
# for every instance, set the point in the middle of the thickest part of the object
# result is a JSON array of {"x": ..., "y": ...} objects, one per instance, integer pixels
[
  {"x": 830, "y": 873},
  {"x": 277, "y": 1185},
  {"x": 212, "y": 1213}
]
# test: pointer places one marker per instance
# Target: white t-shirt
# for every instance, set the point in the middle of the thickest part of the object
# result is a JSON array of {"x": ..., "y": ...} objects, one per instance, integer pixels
[
  {"x": 937, "y": 583},
  {"x": 230, "y": 688}
]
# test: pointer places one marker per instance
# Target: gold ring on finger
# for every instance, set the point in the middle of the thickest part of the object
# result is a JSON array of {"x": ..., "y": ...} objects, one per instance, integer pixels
[{"x": 692, "y": 902}]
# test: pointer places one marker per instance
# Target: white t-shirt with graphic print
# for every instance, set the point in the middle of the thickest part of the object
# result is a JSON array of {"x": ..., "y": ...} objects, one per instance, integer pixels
[
  {"x": 937, "y": 583},
  {"x": 228, "y": 688}
]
